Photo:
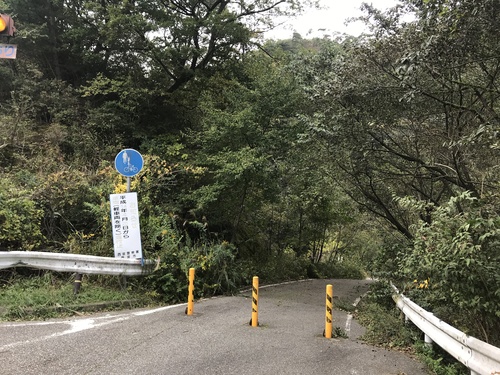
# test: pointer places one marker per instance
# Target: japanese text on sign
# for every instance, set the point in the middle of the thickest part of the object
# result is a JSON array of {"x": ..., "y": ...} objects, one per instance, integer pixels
[{"x": 125, "y": 226}]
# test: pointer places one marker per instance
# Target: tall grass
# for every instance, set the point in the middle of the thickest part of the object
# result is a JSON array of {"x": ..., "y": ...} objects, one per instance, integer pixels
[{"x": 47, "y": 294}]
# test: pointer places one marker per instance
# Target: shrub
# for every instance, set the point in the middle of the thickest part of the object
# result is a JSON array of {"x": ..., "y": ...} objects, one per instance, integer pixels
[
  {"x": 283, "y": 267},
  {"x": 340, "y": 270},
  {"x": 382, "y": 319},
  {"x": 20, "y": 219},
  {"x": 459, "y": 253}
]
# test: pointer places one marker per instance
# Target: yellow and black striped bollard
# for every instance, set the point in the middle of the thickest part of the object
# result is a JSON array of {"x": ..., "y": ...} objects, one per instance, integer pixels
[
  {"x": 189, "y": 310},
  {"x": 255, "y": 301},
  {"x": 329, "y": 310}
]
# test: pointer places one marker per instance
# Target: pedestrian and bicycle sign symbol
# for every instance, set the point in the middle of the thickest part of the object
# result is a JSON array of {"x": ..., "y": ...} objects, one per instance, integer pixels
[{"x": 129, "y": 162}]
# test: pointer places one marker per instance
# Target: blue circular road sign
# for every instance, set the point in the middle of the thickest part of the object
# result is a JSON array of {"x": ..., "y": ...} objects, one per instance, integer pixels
[{"x": 129, "y": 162}]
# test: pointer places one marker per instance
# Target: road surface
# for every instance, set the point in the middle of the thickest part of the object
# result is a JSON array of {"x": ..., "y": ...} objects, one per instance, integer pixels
[{"x": 217, "y": 339}]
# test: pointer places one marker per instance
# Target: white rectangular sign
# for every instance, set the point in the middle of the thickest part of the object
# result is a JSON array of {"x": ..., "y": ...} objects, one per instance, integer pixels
[
  {"x": 125, "y": 225},
  {"x": 8, "y": 51}
]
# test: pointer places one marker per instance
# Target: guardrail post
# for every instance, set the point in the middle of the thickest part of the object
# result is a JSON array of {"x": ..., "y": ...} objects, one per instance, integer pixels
[
  {"x": 427, "y": 340},
  {"x": 329, "y": 309},
  {"x": 403, "y": 317},
  {"x": 77, "y": 283},
  {"x": 189, "y": 310},
  {"x": 255, "y": 302}
]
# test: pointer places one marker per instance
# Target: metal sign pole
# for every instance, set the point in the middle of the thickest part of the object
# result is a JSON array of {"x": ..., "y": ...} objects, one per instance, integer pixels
[{"x": 124, "y": 278}]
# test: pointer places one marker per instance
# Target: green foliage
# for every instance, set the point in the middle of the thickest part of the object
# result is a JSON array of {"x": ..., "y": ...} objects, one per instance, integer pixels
[
  {"x": 286, "y": 266},
  {"x": 340, "y": 270},
  {"x": 216, "y": 270},
  {"x": 255, "y": 163},
  {"x": 382, "y": 320},
  {"x": 20, "y": 219},
  {"x": 62, "y": 195},
  {"x": 459, "y": 252},
  {"x": 169, "y": 280},
  {"x": 387, "y": 260},
  {"x": 216, "y": 267},
  {"x": 338, "y": 332},
  {"x": 438, "y": 361},
  {"x": 381, "y": 293},
  {"x": 386, "y": 327},
  {"x": 228, "y": 185}
]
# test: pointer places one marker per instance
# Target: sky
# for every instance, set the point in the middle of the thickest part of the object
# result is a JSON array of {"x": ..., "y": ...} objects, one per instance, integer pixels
[{"x": 317, "y": 23}]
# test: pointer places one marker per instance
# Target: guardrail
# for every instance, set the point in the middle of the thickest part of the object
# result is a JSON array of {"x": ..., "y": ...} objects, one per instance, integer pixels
[
  {"x": 480, "y": 357},
  {"x": 83, "y": 264}
]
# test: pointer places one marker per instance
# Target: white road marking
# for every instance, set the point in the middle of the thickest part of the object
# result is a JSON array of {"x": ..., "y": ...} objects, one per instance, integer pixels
[
  {"x": 152, "y": 311},
  {"x": 349, "y": 317},
  {"x": 348, "y": 324},
  {"x": 79, "y": 325}
]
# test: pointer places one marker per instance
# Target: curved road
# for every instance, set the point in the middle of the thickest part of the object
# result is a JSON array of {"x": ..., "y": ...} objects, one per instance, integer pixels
[{"x": 216, "y": 339}]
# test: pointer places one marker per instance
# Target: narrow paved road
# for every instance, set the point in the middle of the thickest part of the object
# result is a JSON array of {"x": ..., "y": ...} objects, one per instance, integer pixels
[{"x": 217, "y": 339}]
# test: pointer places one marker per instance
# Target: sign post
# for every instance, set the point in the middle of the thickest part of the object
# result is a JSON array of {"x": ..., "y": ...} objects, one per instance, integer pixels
[{"x": 125, "y": 209}]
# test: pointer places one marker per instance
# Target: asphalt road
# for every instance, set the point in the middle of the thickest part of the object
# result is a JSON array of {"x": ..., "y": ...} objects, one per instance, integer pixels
[{"x": 216, "y": 339}]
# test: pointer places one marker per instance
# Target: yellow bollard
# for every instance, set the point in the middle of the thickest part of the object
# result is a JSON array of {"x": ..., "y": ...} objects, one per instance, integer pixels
[
  {"x": 255, "y": 301},
  {"x": 329, "y": 309},
  {"x": 189, "y": 310}
]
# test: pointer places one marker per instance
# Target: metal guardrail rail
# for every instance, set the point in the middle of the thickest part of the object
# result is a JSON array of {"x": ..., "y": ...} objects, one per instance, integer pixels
[
  {"x": 480, "y": 357},
  {"x": 84, "y": 264}
]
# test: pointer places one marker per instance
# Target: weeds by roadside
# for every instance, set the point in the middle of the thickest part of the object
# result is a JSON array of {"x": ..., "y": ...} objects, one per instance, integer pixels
[
  {"x": 386, "y": 327},
  {"x": 438, "y": 361},
  {"x": 49, "y": 295}
]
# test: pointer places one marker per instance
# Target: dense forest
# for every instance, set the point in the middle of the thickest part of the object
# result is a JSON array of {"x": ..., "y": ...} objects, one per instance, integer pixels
[{"x": 284, "y": 158}]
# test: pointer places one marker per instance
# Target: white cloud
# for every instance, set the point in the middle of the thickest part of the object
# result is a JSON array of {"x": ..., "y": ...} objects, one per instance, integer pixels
[{"x": 331, "y": 19}]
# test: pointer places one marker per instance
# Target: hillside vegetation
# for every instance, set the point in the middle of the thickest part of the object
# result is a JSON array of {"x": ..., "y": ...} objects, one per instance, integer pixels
[{"x": 284, "y": 158}]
